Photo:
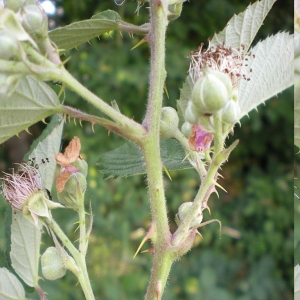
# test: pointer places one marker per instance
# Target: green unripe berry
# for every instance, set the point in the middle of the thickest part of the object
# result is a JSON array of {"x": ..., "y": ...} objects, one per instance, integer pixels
[
  {"x": 210, "y": 92},
  {"x": 231, "y": 112},
  {"x": 169, "y": 121},
  {"x": 52, "y": 264}
]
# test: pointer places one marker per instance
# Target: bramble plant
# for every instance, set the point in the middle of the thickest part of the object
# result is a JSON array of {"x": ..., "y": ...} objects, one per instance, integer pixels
[{"x": 225, "y": 81}]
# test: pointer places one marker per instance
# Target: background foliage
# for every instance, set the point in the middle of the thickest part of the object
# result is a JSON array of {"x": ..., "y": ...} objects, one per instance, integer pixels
[{"x": 253, "y": 260}]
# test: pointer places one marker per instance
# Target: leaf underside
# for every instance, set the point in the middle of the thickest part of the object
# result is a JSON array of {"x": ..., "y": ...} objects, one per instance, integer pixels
[
  {"x": 272, "y": 71},
  {"x": 32, "y": 101},
  {"x": 242, "y": 28},
  {"x": 128, "y": 160},
  {"x": 25, "y": 248},
  {"x": 76, "y": 33},
  {"x": 297, "y": 93},
  {"x": 47, "y": 146},
  {"x": 10, "y": 286}
]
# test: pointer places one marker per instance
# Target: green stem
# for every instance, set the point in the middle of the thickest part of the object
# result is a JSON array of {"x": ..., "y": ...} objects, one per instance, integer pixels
[
  {"x": 83, "y": 243},
  {"x": 124, "y": 125},
  {"x": 184, "y": 227},
  {"x": 79, "y": 258},
  {"x": 161, "y": 236},
  {"x": 218, "y": 136}
]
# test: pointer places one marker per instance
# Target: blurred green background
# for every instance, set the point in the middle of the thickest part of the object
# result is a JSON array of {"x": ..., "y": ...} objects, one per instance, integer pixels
[{"x": 253, "y": 259}]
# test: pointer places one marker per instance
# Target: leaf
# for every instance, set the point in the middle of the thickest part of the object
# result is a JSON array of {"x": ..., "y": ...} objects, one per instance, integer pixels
[
  {"x": 32, "y": 101},
  {"x": 128, "y": 160},
  {"x": 272, "y": 71},
  {"x": 107, "y": 15},
  {"x": 76, "y": 33},
  {"x": 297, "y": 93},
  {"x": 242, "y": 28},
  {"x": 25, "y": 249},
  {"x": 10, "y": 286},
  {"x": 297, "y": 282},
  {"x": 47, "y": 146}
]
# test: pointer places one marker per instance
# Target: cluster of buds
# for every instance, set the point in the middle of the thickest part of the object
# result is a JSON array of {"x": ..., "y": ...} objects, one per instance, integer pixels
[
  {"x": 214, "y": 74},
  {"x": 23, "y": 23}
]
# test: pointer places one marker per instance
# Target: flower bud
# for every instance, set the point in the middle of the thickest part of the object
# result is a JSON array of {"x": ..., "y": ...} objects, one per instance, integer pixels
[
  {"x": 186, "y": 129},
  {"x": 34, "y": 20},
  {"x": 74, "y": 190},
  {"x": 191, "y": 113},
  {"x": 168, "y": 122},
  {"x": 81, "y": 166},
  {"x": 183, "y": 211},
  {"x": 210, "y": 92},
  {"x": 231, "y": 112},
  {"x": 9, "y": 44},
  {"x": 224, "y": 78},
  {"x": 14, "y": 5},
  {"x": 52, "y": 264}
]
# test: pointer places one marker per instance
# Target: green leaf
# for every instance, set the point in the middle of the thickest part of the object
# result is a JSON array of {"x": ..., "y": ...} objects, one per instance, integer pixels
[
  {"x": 47, "y": 146},
  {"x": 297, "y": 92},
  {"x": 109, "y": 15},
  {"x": 25, "y": 249},
  {"x": 10, "y": 286},
  {"x": 76, "y": 33},
  {"x": 128, "y": 160},
  {"x": 297, "y": 282},
  {"x": 242, "y": 28},
  {"x": 32, "y": 101},
  {"x": 272, "y": 71}
]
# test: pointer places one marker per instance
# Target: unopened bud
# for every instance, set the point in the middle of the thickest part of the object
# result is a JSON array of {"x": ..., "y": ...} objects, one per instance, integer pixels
[
  {"x": 9, "y": 44},
  {"x": 168, "y": 122},
  {"x": 52, "y": 264},
  {"x": 74, "y": 190},
  {"x": 81, "y": 165},
  {"x": 183, "y": 211},
  {"x": 191, "y": 113},
  {"x": 14, "y": 5},
  {"x": 231, "y": 112},
  {"x": 34, "y": 20},
  {"x": 210, "y": 92},
  {"x": 186, "y": 129}
]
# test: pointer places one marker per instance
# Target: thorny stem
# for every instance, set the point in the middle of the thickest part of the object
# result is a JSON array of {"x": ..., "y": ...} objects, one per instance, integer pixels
[
  {"x": 79, "y": 258},
  {"x": 162, "y": 260},
  {"x": 123, "y": 125}
]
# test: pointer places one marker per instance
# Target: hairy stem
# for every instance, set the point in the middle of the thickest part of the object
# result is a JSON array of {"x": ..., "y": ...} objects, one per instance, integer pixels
[
  {"x": 123, "y": 125},
  {"x": 162, "y": 260},
  {"x": 79, "y": 258}
]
